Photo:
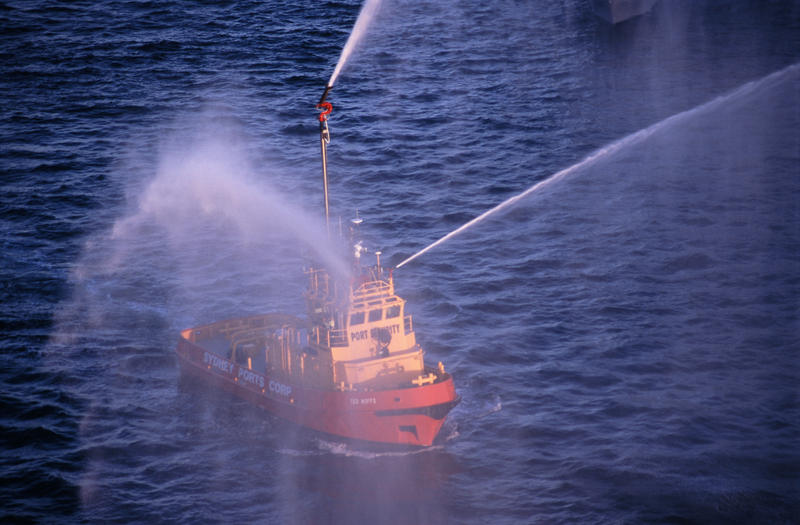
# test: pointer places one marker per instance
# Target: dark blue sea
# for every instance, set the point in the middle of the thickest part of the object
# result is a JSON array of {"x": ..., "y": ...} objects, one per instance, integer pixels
[{"x": 625, "y": 338}]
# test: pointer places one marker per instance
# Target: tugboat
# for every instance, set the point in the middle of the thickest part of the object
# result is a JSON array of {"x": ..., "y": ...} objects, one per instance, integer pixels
[{"x": 351, "y": 368}]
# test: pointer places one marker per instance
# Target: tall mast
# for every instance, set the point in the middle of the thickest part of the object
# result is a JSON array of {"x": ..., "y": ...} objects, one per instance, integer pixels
[{"x": 324, "y": 140}]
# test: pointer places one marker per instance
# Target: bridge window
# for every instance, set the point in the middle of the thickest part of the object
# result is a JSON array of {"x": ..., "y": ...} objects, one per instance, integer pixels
[
  {"x": 375, "y": 315},
  {"x": 356, "y": 318},
  {"x": 393, "y": 311}
]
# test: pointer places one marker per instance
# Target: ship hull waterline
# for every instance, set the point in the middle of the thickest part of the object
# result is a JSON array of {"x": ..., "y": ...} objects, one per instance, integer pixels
[{"x": 411, "y": 416}]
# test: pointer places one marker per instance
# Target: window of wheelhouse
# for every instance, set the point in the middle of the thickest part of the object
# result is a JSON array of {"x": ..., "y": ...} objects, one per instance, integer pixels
[
  {"x": 393, "y": 311},
  {"x": 375, "y": 315},
  {"x": 356, "y": 318}
]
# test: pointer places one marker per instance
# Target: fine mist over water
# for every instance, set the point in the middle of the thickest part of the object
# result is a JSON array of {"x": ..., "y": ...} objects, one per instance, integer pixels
[
  {"x": 204, "y": 237},
  {"x": 625, "y": 343},
  {"x": 208, "y": 185},
  {"x": 206, "y": 224}
]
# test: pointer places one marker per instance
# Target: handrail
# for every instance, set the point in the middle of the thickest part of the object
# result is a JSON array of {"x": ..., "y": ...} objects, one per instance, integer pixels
[
  {"x": 338, "y": 337},
  {"x": 372, "y": 287},
  {"x": 408, "y": 325}
]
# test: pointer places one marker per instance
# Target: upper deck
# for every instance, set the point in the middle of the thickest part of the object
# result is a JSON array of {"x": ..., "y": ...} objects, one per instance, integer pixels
[{"x": 369, "y": 337}]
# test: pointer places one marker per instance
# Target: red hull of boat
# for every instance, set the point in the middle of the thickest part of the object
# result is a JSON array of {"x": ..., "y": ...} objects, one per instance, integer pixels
[{"x": 404, "y": 416}]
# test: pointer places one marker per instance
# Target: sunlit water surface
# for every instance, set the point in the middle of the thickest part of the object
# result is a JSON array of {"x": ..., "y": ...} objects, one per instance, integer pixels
[{"x": 625, "y": 340}]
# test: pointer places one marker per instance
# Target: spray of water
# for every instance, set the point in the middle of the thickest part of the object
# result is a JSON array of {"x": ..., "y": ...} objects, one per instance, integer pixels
[
  {"x": 368, "y": 11},
  {"x": 209, "y": 183},
  {"x": 205, "y": 236},
  {"x": 615, "y": 147}
]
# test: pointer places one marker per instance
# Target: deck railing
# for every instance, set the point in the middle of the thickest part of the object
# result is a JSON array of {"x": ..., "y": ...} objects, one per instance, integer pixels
[
  {"x": 338, "y": 337},
  {"x": 372, "y": 290}
]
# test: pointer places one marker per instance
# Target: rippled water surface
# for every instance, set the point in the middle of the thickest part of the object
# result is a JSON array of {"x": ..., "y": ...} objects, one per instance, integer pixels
[{"x": 625, "y": 339}]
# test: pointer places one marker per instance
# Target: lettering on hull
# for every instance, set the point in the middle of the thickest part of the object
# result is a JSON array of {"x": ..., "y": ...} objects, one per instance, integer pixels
[
  {"x": 280, "y": 388},
  {"x": 361, "y": 335},
  {"x": 251, "y": 377},
  {"x": 218, "y": 363},
  {"x": 358, "y": 401}
]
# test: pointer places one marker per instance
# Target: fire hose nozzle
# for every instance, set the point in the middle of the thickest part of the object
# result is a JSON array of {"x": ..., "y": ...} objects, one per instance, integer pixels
[
  {"x": 326, "y": 107},
  {"x": 324, "y": 95}
]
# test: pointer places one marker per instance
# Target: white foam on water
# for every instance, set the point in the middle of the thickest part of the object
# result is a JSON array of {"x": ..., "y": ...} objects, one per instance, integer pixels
[{"x": 342, "y": 449}]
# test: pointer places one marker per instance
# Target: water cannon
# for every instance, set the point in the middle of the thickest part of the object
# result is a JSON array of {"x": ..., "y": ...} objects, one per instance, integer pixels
[
  {"x": 324, "y": 95},
  {"x": 324, "y": 139},
  {"x": 324, "y": 107}
]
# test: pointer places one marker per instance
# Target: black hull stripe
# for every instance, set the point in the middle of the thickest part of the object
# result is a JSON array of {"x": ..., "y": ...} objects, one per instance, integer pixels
[{"x": 434, "y": 411}]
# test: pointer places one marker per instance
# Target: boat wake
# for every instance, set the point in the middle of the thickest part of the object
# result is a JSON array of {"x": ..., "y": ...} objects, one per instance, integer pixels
[
  {"x": 497, "y": 407},
  {"x": 454, "y": 434},
  {"x": 344, "y": 449},
  {"x": 323, "y": 447}
]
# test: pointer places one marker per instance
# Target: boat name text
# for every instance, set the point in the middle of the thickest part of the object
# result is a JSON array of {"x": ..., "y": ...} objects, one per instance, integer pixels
[
  {"x": 363, "y": 401},
  {"x": 363, "y": 334},
  {"x": 218, "y": 363},
  {"x": 251, "y": 377},
  {"x": 280, "y": 388}
]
